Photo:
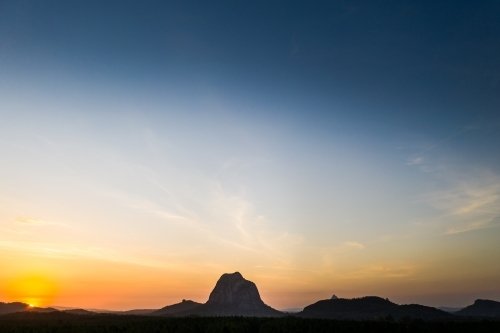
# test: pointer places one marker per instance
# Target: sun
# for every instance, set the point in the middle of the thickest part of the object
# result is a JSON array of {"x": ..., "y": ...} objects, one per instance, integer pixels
[{"x": 34, "y": 290}]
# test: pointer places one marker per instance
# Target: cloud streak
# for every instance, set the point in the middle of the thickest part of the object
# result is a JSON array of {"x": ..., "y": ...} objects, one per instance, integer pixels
[
  {"x": 37, "y": 222},
  {"x": 470, "y": 202}
]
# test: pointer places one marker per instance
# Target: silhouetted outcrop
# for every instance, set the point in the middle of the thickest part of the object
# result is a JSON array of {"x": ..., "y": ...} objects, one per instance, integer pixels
[
  {"x": 175, "y": 308},
  {"x": 234, "y": 296},
  {"x": 481, "y": 308},
  {"x": 367, "y": 308}
]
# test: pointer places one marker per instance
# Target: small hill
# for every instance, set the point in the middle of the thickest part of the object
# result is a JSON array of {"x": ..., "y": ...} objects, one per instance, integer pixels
[
  {"x": 13, "y": 307},
  {"x": 6, "y": 308},
  {"x": 175, "y": 308},
  {"x": 79, "y": 312},
  {"x": 139, "y": 312},
  {"x": 234, "y": 296},
  {"x": 367, "y": 308},
  {"x": 481, "y": 308}
]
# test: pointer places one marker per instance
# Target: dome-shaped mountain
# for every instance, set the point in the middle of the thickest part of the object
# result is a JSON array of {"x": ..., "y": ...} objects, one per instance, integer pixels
[
  {"x": 234, "y": 296},
  {"x": 368, "y": 308},
  {"x": 481, "y": 308}
]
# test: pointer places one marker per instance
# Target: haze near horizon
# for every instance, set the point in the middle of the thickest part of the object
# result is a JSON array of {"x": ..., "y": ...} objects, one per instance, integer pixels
[{"x": 346, "y": 148}]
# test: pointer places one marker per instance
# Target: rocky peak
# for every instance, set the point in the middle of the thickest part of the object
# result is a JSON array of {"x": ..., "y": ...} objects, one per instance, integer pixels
[{"x": 234, "y": 289}]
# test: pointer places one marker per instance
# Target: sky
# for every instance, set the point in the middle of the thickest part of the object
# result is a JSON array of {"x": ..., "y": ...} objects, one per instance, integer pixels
[{"x": 319, "y": 148}]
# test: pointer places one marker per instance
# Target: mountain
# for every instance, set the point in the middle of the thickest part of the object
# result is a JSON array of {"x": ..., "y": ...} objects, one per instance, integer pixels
[
  {"x": 370, "y": 307},
  {"x": 481, "y": 308},
  {"x": 233, "y": 296},
  {"x": 175, "y": 308},
  {"x": 6, "y": 308},
  {"x": 448, "y": 309}
]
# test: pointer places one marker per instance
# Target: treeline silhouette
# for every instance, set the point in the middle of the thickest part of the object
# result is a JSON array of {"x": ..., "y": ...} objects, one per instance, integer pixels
[{"x": 105, "y": 323}]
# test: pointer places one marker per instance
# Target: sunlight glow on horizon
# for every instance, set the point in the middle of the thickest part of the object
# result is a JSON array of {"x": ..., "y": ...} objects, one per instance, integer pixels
[{"x": 32, "y": 289}]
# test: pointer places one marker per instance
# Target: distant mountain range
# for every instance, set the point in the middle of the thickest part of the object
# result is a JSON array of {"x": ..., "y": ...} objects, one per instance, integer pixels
[{"x": 233, "y": 295}]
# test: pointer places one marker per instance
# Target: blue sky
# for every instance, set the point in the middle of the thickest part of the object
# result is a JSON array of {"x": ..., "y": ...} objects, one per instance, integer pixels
[{"x": 330, "y": 147}]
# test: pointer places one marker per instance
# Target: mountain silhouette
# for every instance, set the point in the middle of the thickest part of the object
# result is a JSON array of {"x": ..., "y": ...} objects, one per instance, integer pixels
[
  {"x": 481, "y": 308},
  {"x": 234, "y": 296},
  {"x": 175, "y": 308},
  {"x": 370, "y": 307}
]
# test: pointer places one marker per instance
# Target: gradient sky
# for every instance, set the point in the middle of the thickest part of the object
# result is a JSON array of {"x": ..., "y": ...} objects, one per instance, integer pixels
[{"x": 319, "y": 148}]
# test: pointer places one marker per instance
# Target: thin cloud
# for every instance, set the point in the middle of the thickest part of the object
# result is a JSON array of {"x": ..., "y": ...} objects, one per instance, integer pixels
[
  {"x": 469, "y": 204},
  {"x": 354, "y": 245},
  {"x": 415, "y": 160},
  {"x": 36, "y": 222},
  {"x": 494, "y": 222},
  {"x": 381, "y": 271}
]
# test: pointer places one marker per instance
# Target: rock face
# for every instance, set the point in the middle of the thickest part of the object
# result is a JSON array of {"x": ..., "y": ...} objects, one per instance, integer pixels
[
  {"x": 481, "y": 308},
  {"x": 234, "y": 290},
  {"x": 234, "y": 296}
]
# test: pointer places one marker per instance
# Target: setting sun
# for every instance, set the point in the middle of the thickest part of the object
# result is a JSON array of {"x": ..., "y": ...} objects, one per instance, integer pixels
[{"x": 33, "y": 289}]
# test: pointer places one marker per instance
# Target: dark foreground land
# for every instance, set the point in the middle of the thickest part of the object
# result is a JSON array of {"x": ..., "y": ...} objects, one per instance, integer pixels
[{"x": 63, "y": 322}]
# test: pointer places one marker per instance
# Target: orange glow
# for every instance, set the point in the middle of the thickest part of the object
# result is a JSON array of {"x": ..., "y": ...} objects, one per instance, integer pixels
[{"x": 36, "y": 290}]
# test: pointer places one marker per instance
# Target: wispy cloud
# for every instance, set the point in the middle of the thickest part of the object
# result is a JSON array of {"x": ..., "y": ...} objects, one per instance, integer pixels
[
  {"x": 469, "y": 203},
  {"x": 354, "y": 245},
  {"x": 415, "y": 160},
  {"x": 382, "y": 271},
  {"x": 36, "y": 222},
  {"x": 14, "y": 230},
  {"x": 331, "y": 254}
]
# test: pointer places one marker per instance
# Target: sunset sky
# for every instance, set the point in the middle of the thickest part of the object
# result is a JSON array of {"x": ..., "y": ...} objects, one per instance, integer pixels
[{"x": 317, "y": 147}]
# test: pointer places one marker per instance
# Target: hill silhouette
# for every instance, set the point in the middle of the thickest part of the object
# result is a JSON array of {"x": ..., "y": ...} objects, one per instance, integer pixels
[
  {"x": 481, "y": 308},
  {"x": 12, "y": 307},
  {"x": 370, "y": 307},
  {"x": 176, "y": 308},
  {"x": 78, "y": 311},
  {"x": 6, "y": 308},
  {"x": 234, "y": 296}
]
